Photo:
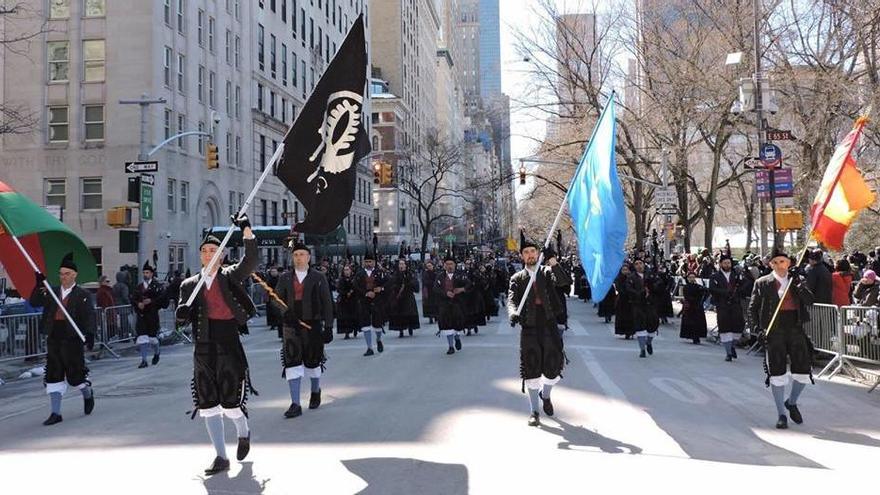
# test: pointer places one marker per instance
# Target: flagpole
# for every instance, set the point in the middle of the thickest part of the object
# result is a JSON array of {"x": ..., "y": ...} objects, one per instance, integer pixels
[
  {"x": 47, "y": 286},
  {"x": 863, "y": 120},
  {"x": 216, "y": 258}
]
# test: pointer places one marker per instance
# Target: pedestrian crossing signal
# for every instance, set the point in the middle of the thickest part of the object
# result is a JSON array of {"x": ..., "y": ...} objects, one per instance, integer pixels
[{"x": 212, "y": 157}]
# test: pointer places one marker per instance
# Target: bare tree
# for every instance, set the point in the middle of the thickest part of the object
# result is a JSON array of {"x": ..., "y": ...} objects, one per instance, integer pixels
[{"x": 21, "y": 25}]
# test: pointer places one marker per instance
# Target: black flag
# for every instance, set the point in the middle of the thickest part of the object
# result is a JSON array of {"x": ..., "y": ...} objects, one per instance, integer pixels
[{"x": 328, "y": 139}]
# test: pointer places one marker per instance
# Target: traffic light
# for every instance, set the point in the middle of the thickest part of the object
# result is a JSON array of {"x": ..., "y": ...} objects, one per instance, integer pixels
[
  {"x": 119, "y": 216},
  {"x": 212, "y": 156},
  {"x": 386, "y": 175},
  {"x": 377, "y": 172},
  {"x": 789, "y": 219},
  {"x": 522, "y": 176}
]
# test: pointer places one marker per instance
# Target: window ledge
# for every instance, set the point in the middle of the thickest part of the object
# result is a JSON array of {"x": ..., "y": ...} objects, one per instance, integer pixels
[
  {"x": 93, "y": 144},
  {"x": 58, "y": 145}
]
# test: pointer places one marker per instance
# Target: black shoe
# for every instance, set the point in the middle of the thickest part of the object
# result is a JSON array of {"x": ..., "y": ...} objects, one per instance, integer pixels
[
  {"x": 729, "y": 358},
  {"x": 733, "y": 352},
  {"x": 696, "y": 341},
  {"x": 89, "y": 404},
  {"x": 548, "y": 406},
  {"x": 295, "y": 410},
  {"x": 143, "y": 364},
  {"x": 782, "y": 423},
  {"x": 369, "y": 352},
  {"x": 401, "y": 335},
  {"x": 379, "y": 346},
  {"x": 535, "y": 419},
  {"x": 315, "y": 400},
  {"x": 155, "y": 359},
  {"x": 476, "y": 331},
  {"x": 346, "y": 337},
  {"x": 53, "y": 419},
  {"x": 650, "y": 349},
  {"x": 244, "y": 446},
  {"x": 410, "y": 332},
  {"x": 457, "y": 344},
  {"x": 642, "y": 354},
  {"x": 220, "y": 464},
  {"x": 449, "y": 351},
  {"x": 468, "y": 333},
  {"x": 795, "y": 413}
]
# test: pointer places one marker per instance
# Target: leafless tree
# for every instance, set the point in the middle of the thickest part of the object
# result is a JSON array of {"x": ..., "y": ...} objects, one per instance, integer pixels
[{"x": 21, "y": 26}]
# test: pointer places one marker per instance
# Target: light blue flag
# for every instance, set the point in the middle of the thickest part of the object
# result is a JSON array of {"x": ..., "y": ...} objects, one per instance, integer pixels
[{"x": 598, "y": 211}]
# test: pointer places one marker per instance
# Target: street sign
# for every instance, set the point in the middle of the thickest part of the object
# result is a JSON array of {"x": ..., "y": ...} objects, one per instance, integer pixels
[
  {"x": 141, "y": 167},
  {"x": 782, "y": 181},
  {"x": 771, "y": 155},
  {"x": 148, "y": 179},
  {"x": 450, "y": 238},
  {"x": 146, "y": 202},
  {"x": 785, "y": 202},
  {"x": 667, "y": 210},
  {"x": 666, "y": 195},
  {"x": 779, "y": 135},
  {"x": 751, "y": 162}
]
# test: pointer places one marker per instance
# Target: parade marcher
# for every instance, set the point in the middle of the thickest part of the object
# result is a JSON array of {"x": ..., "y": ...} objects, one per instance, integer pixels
[
  {"x": 429, "y": 301},
  {"x": 540, "y": 345},
  {"x": 65, "y": 360},
  {"x": 475, "y": 313},
  {"x": 369, "y": 286},
  {"x": 787, "y": 344},
  {"x": 490, "y": 303},
  {"x": 147, "y": 298},
  {"x": 347, "y": 317},
  {"x": 644, "y": 317},
  {"x": 728, "y": 290},
  {"x": 403, "y": 313},
  {"x": 220, "y": 311},
  {"x": 661, "y": 293},
  {"x": 449, "y": 291},
  {"x": 621, "y": 309},
  {"x": 561, "y": 290},
  {"x": 693, "y": 315},
  {"x": 308, "y": 325}
]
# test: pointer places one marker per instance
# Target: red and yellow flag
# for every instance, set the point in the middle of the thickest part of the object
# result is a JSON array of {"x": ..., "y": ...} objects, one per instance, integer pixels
[{"x": 842, "y": 194}]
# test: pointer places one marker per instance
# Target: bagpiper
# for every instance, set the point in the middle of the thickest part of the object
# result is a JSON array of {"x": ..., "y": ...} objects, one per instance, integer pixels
[
  {"x": 65, "y": 360},
  {"x": 788, "y": 347},
  {"x": 540, "y": 346},
  {"x": 449, "y": 292},
  {"x": 645, "y": 321},
  {"x": 369, "y": 286},
  {"x": 220, "y": 311},
  {"x": 146, "y": 299},
  {"x": 308, "y": 325},
  {"x": 728, "y": 290}
]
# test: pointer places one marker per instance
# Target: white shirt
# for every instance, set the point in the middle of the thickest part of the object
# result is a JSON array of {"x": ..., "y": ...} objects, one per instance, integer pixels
[
  {"x": 783, "y": 283},
  {"x": 209, "y": 279},
  {"x": 450, "y": 275},
  {"x": 147, "y": 283},
  {"x": 301, "y": 275},
  {"x": 726, "y": 275},
  {"x": 66, "y": 292},
  {"x": 369, "y": 272}
]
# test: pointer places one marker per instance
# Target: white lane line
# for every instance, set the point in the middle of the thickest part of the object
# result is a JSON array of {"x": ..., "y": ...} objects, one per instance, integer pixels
[
  {"x": 577, "y": 328},
  {"x": 611, "y": 389}
]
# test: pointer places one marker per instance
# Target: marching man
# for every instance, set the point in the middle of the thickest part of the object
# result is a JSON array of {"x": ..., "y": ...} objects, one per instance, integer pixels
[
  {"x": 726, "y": 288},
  {"x": 369, "y": 286},
  {"x": 786, "y": 341},
  {"x": 221, "y": 309},
  {"x": 147, "y": 298},
  {"x": 540, "y": 345},
  {"x": 65, "y": 360},
  {"x": 308, "y": 325},
  {"x": 449, "y": 292}
]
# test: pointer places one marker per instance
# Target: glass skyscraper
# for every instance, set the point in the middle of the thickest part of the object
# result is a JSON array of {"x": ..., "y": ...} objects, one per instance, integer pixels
[{"x": 490, "y": 49}]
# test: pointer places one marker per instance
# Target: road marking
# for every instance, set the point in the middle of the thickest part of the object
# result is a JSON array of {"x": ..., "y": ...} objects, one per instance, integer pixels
[
  {"x": 680, "y": 390},
  {"x": 611, "y": 389},
  {"x": 577, "y": 328}
]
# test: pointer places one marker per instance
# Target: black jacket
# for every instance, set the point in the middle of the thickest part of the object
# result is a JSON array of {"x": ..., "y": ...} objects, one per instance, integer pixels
[
  {"x": 80, "y": 306},
  {"x": 546, "y": 280},
  {"x": 317, "y": 302},
  {"x": 819, "y": 283},
  {"x": 765, "y": 299},
  {"x": 148, "y": 318}
]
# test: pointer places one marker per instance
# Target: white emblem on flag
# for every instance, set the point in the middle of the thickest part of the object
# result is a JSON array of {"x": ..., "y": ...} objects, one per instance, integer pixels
[{"x": 344, "y": 109}]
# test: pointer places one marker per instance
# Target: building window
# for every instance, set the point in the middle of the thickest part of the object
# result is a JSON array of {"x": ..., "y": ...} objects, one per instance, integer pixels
[
  {"x": 201, "y": 27},
  {"x": 238, "y": 151},
  {"x": 59, "y": 9},
  {"x": 229, "y": 47},
  {"x": 303, "y": 74},
  {"x": 97, "y": 254},
  {"x": 211, "y": 34},
  {"x": 237, "y": 10},
  {"x": 176, "y": 259},
  {"x": 229, "y": 147},
  {"x": 283, "y": 64},
  {"x": 59, "y": 125},
  {"x": 201, "y": 84},
  {"x": 59, "y": 60},
  {"x": 184, "y": 196},
  {"x": 261, "y": 48},
  {"x": 56, "y": 192},
  {"x": 402, "y": 217},
  {"x": 212, "y": 84},
  {"x": 201, "y": 139},
  {"x": 229, "y": 98},
  {"x": 272, "y": 104},
  {"x": 231, "y": 202},
  {"x": 274, "y": 212},
  {"x": 284, "y": 110},
  {"x": 284, "y": 11},
  {"x": 91, "y": 194},
  {"x": 93, "y": 117},
  {"x": 262, "y": 153},
  {"x": 272, "y": 66},
  {"x": 375, "y": 217},
  {"x": 302, "y": 26},
  {"x": 181, "y": 21},
  {"x": 167, "y": 68},
  {"x": 167, "y": 11},
  {"x": 93, "y": 60},
  {"x": 272, "y": 5},
  {"x": 181, "y": 127},
  {"x": 259, "y": 97},
  {"x": 293, "y": 70},
  {"x": 376, "y": 144},
  {"x": 237, "y": 52},
  {"x": 264, "y": 211},
  {"x": 172, "y": 200},
  {"x": 181, "y": 73},
  {"x": 169, "y": 123},
  {"x": 238, "y": 102}
]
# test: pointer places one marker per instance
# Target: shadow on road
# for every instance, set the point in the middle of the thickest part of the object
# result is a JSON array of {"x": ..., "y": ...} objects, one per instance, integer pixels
[
  {"x": 578, "y": 436},
  {"x": 244, "y": 483},
  {"x": 391, "y": 476}
]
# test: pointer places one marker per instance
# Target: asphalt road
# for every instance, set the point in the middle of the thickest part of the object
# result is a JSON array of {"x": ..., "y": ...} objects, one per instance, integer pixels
[{"x": 416, "y": 421}]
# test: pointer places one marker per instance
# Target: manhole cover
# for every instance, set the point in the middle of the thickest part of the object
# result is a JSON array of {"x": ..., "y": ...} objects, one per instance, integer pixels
[{"x": 129, "y": 392}]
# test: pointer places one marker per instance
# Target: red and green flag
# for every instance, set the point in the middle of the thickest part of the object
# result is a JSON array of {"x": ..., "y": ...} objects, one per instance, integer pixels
[{"x": 44, "y": 238}]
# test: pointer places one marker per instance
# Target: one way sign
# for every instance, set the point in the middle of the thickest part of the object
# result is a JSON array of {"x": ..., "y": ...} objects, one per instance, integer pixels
[{"x": 141, "y": 167}]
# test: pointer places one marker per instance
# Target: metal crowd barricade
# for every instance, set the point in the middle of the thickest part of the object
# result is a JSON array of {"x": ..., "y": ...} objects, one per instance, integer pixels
[
  {"x": 118, "y": 324},
  {"x": 822, "y": 327},
  {"x": 858, "y": 340},
  {"x": 20, "y": 337}
]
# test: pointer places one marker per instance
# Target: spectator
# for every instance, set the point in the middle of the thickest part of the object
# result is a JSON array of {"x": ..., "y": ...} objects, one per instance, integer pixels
[
  {"x": 104, "y": 296},
  {"x": 818, "y": 278},
  {"x": 120, "y": 289},
  {"x": 841, "y": 283},
  {"x": 867, "y": 291}
]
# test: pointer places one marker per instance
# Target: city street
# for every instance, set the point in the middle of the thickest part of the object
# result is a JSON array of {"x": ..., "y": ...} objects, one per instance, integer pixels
[{"x": 414, "y": 420}]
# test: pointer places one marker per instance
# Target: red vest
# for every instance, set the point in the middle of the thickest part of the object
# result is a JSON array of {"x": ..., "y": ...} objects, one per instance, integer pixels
[
  {"x": 788, "y": 304},
  {"x": 216, "y": 304},
  {"x": 370, "y": 282},
  {"x": 448, "y": 285},
  {"x": 297, "y": 288},
  {"x": 59, "y": 315}
]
